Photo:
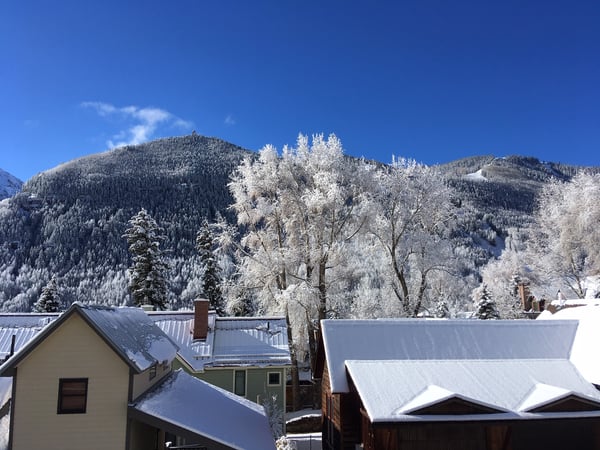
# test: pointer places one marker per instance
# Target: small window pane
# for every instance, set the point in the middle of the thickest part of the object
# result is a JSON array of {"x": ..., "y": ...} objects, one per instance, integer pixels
[
  {"x": 274, "y": 379},
  {"x": 72, "y": 395},
  {"x": 240, "y": 382}
]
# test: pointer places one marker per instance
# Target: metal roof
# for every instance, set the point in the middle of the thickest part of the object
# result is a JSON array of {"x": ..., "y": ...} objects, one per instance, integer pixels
[
  {"x": 128, "y": 331},
  {"x": 420, "y": 339},
  {"x": 231, "y": 341},
  {"x": 205, "y": 414},
  {"x": 514, "y": 388},
  {"x": 23, "y": 326}
]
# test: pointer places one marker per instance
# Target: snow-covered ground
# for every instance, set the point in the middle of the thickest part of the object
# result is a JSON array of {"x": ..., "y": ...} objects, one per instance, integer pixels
[
  {"x": 309, "y": 441},
  {"x": 476, "y": 176}
]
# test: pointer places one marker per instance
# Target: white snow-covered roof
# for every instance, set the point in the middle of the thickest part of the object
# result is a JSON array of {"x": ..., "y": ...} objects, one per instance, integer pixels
[
  {"x": 231, "y": 341},
  {"x": 512, "y": 388},
  {"x": 584, "y": 353},
  {"x": 178, "y": 326},
  {"x": 208, "y": 411},
  {"x": 129, "y": 332},
  {"x": 23, "y": 326},
  {"x": 419, "y": 339},
  {"x": 132, "y": 333},
  {"x": 251, "y": 341}
]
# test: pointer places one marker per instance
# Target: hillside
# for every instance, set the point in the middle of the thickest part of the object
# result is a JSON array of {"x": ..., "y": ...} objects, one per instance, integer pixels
[
  {"x": 9, "y": 184},
  {"x": 69, "y": 220}
]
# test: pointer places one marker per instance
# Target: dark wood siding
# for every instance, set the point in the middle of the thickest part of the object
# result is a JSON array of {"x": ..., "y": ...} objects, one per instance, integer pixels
[{"x": 559, "y": 434}]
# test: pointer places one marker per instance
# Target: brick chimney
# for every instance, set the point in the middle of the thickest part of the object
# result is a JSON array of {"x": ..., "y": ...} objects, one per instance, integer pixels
[{"x": 200, "y": 329}]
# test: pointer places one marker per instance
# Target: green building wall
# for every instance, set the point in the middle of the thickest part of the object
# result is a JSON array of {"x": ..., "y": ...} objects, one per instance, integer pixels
[{"x": 257, "y": 388}]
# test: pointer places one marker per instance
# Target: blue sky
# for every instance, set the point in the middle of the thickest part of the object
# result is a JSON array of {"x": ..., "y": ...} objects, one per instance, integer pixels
[{"x": 429, "y": 80}]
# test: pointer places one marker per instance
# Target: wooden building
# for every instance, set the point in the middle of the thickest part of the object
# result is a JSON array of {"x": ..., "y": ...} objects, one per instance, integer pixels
[{"x": 421, "y": 384}]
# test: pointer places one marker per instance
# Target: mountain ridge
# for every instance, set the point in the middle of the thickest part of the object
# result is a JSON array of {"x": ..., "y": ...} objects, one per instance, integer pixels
[
  {"x": 69, "y": 220},
  {"x": 9, "y": 184}
]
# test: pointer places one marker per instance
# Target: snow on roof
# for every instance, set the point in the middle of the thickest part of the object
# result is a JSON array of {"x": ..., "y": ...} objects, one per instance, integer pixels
[
  {"x": 23, "y": 327},
  {"x": 178, "y": 326},
  {"x": 132, "y": 333},
  {"x": 584, "y": 353},
  {"x": 417, "y": 339},
  {"x": 511, "y": 386},
  {"x": 231, "y": 341},
  {"x": 206, "y": 410},
  {"x": 251, "y": 341}
]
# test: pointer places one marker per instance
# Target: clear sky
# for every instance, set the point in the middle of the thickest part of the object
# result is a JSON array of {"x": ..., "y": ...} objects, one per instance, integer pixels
[{"x": 429, "y": 80}]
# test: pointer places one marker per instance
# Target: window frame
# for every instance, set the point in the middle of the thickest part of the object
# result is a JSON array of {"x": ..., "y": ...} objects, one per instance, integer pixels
[
  {"x": 62, "y": 396},
  {"x": 235, "y": 382},
  {"x": 152, "y": 372},
  {"x": 269, "y": 378}
]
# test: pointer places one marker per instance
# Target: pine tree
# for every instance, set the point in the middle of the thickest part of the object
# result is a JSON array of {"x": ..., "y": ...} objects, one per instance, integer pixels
[
  {"x": 49, "y": 300},
  {"x": 486, "y": 307},
  {"x": 212, "y": 272},
  {"x": 148, "y": 272}
]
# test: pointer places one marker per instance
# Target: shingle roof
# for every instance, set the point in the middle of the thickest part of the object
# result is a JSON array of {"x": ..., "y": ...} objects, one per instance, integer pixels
[
  {"x": 398, "y": 390},
  {"x": 419, "y": 339}
]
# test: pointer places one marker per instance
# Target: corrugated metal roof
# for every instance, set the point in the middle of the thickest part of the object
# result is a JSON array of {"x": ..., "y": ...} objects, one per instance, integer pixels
[
  {"x": 397, "y": 390},
  {"x": 418, "y": 339},
  {"x": 231, "y": 341},
  {"x": 251, "y": 341},
  {"x": 23, "y": 327},
  {"x": 178, "y": 326}
]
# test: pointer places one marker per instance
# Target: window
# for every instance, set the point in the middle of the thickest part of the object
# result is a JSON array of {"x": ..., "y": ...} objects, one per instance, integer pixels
[
  {"x": 239, "y": 387},
  {"x": 152, "y": 373},
  {"x": 72, "y": 395},
  {"x": 273, "y": 378}
]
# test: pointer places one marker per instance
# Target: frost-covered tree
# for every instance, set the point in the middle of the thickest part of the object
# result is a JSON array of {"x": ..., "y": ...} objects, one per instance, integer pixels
[
  {"x": 211, "y": 279},
  {"x": 283, "y": 443},
  {"x": 501, "y": 277},
  {"x": 148, "y": 271},
  {"x": 565, "y": 240},
  {"x": 298, "y": 212},
  {"x": 275, "y": 415},
  {"x": 49, "y": 300},
  {"x": 486, "y": 307},
  {"x": 414, "y": 212},
  {"x": 441, "y": 310}
]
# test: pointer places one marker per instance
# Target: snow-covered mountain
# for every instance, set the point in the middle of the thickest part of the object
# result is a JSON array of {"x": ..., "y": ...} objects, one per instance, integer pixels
[
  {"x": 69, "y": 221},
  {"x": 9, "y": 184}
]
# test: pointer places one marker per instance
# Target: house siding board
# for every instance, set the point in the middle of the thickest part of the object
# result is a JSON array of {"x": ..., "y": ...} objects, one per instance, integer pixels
[
  {"x": 71, "y": 351},
  {"x": 142, "y": 381},
  {"x": 582, "y": 434}
]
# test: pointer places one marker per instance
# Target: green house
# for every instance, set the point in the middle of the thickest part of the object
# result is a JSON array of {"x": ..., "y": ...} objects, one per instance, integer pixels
[{"x": 248, "y": 356}]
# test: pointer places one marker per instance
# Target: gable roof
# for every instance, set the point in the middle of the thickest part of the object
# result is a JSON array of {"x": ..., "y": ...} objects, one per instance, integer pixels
[
  {"x": 421, "y": 339},
  {"x": 403, "y": 390},
  {"x": 128, "y": 331},
  {"x": 584, "y": 353},
  {"x": 205, "y": 414},
  {"x": 231, "y": 341}
]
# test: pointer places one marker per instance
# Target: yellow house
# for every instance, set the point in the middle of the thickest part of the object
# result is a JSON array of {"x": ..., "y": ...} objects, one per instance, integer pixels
[{"x": 102, "y": 378}]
